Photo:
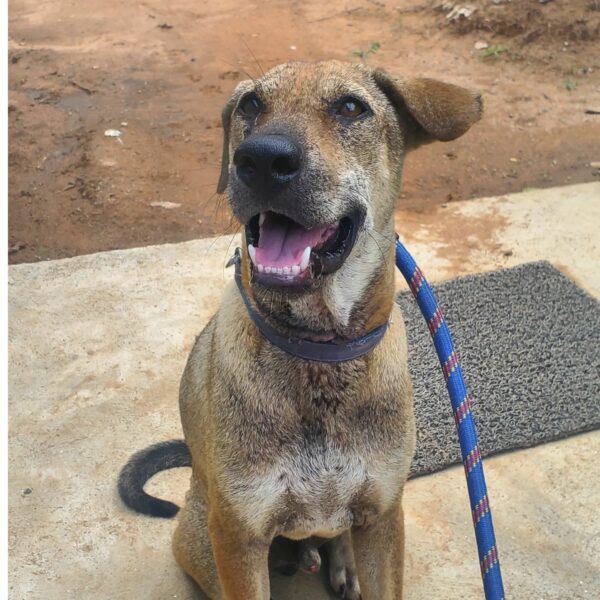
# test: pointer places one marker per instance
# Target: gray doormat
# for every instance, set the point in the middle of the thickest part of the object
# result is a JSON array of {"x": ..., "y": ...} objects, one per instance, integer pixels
[{"x": 528, "y": 340}]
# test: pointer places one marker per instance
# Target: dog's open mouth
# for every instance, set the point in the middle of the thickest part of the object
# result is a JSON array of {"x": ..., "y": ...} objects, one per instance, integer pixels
[{"x": 285, "y": 253}]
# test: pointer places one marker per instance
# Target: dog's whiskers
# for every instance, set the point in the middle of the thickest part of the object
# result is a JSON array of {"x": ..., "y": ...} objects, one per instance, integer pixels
[
  {"x": 377, "y": 244},
  {"x": 217, "y": 238},
  {"x": 253, "y": 55}
]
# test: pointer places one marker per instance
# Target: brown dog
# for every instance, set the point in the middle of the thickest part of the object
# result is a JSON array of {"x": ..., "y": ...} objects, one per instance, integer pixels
[{"x": 280, "y": 445}]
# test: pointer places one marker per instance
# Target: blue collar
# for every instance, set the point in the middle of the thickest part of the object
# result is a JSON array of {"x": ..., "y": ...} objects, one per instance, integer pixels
[{"x": 327, "y": 352}]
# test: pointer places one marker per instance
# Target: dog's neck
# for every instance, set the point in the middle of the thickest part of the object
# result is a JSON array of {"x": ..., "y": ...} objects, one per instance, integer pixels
[{"x": 354, "y": 301}]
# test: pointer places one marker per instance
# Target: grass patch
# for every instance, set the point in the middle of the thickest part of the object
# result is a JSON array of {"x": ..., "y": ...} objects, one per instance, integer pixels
[
  {"x": 493, "y": 52},
  {"x": 364, "y": 54},
  {"x": 570, "y": 84}
]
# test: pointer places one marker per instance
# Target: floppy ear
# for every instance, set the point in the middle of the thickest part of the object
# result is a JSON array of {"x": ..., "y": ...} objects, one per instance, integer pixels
[
  {"x": 226, "y": 120},
  {"x": 431, "y": 110}
]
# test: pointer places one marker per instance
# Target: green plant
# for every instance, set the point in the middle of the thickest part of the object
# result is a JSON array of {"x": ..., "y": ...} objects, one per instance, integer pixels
[
  {"x": 571, "y": 84},
  {"x": 364, "y": 54},
  {"x": 494, "y": 52}
]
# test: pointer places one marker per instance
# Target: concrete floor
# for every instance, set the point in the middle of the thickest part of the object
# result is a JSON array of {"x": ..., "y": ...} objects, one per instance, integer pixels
[{"x": 97, "y": 345}]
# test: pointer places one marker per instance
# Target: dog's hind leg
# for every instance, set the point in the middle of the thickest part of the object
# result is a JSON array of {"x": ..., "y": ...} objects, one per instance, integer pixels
[
  {"x": 192, "y": 548},
  {"x": 342, "y": 570}
]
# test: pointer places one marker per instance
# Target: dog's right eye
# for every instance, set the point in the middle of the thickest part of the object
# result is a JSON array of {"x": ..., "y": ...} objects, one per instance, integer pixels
[{"x": 251, "y": 106}]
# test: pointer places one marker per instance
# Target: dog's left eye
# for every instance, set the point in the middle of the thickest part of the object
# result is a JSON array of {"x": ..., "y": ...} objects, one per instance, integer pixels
[{"x": 350, "y": 108}]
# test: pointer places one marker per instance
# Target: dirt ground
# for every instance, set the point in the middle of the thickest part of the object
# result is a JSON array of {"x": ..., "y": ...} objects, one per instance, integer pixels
[{"x": 160, "y": 72}]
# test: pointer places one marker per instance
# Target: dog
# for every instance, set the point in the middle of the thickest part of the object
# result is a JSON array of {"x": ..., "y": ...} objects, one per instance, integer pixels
[{"x": 281, "y": 443}]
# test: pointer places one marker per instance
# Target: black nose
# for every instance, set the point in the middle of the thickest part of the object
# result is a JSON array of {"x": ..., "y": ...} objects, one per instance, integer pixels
[{"x": 267, "y": 162}]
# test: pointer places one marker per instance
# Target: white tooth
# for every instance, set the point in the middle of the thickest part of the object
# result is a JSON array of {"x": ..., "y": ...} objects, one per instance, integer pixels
[
  {"x": 279, "y": 271},
  {"x": 260, "y": 268},
  {"x": 286, "y": 270},
  {"x": 261, "y": 219},
  {"x": 295, "y": 270},
  {"x": 252, "y": 253},
  {"x": 305, "y": 258},
  {"x": 267, "y": 269}
]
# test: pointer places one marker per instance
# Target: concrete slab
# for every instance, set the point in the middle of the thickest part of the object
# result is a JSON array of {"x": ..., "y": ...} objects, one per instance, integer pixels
[
  {"x": 559, "y": 225},
  {"x": 97, "y": 347}
]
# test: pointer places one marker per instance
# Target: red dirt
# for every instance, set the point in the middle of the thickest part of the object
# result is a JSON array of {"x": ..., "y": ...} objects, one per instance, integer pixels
[{"x": 165, "y": 70}]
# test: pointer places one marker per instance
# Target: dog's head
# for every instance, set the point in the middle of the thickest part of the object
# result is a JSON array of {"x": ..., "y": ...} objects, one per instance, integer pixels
[{"x": 312, "y": 158}]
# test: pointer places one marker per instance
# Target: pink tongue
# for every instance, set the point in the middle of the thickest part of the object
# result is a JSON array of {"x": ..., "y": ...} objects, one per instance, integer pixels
[{"x": 282, "y": 242}]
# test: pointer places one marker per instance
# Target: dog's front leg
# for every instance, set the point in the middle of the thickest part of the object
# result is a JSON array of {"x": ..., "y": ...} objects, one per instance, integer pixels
[
  {"x": 379, "y": 556},
  {"x": 241, "y": 560}
]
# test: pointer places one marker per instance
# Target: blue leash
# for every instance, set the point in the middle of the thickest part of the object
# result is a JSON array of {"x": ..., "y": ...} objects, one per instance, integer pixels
[{"x": 465, "y": 424}]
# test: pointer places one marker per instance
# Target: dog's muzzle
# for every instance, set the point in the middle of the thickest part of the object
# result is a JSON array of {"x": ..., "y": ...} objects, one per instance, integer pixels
[{"x": 283, "y": 251}]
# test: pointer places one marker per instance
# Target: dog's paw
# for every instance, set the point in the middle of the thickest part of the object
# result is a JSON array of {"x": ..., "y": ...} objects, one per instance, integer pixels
[
  {"x": 342, "y": 570},
  {"x": 345, "y": 583}
]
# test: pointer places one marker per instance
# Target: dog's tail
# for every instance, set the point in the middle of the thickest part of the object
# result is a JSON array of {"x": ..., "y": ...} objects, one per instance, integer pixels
[{"x": 145, "y": 464}]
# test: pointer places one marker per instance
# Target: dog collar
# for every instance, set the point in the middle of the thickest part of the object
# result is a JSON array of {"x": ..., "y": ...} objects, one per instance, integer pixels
[{"x": 327, "y": 352}]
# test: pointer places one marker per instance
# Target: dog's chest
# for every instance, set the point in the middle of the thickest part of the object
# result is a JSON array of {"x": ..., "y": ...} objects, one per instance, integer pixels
[
  {"x": 324, "y": 457},
  {"x": 316, "y": 491}
]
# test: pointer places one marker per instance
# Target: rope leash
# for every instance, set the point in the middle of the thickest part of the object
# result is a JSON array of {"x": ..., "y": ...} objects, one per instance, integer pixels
[{"x": 465, "y": 424}]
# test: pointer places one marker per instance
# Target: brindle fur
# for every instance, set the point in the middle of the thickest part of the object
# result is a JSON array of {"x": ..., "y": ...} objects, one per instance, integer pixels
[{"x": 285, "y": 447}]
